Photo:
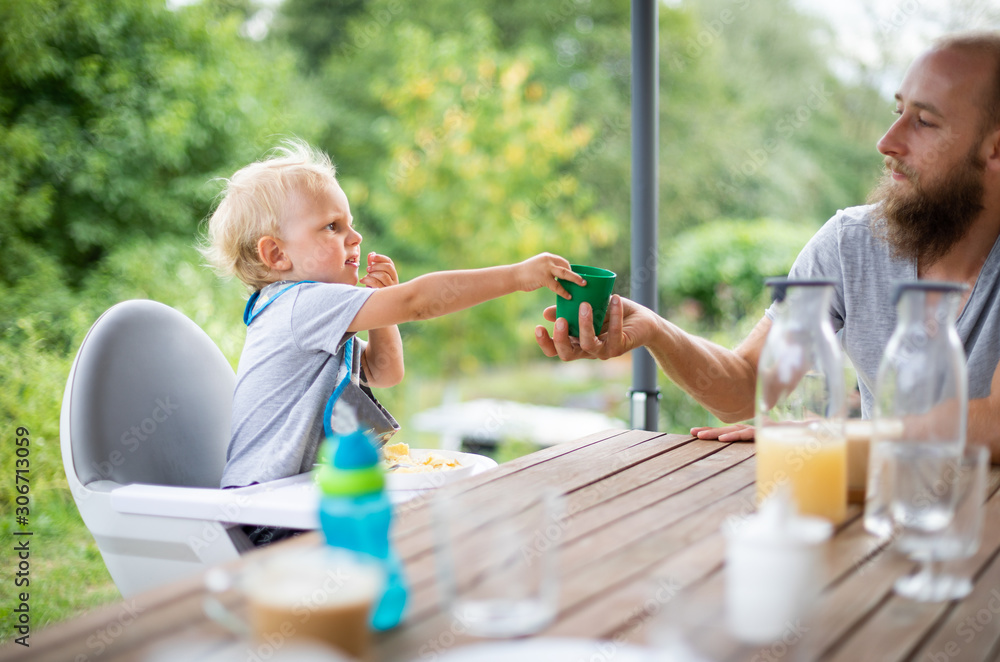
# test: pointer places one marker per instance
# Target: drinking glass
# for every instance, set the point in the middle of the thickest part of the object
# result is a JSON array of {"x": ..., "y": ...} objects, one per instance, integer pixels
[
  {"x": 497, "y": 561},
  {"x": 937, "y": 506}
]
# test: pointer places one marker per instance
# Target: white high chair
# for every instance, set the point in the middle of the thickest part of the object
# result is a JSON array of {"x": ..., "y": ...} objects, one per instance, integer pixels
[{"x": 144, "y": 429}]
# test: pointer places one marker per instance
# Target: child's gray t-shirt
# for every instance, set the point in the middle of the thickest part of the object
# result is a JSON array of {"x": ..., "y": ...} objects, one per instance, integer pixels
[
  {"x": 864, "y": 272},
  {"x": 287, "y": 372}
]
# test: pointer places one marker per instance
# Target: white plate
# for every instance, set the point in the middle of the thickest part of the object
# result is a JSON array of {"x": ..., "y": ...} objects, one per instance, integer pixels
[
  {"x": 469, "y": 464},
  {"x": 542, "y": 649}
]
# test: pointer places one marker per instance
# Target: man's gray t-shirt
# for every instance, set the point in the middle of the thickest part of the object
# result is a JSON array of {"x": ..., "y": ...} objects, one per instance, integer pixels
[
  {"x": 288, "y": 370},
  {"x": 864, "y": 272}
]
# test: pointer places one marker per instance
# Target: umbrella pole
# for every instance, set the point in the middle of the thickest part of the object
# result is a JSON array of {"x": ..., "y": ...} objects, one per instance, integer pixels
[{"x": 644, "y": 394}]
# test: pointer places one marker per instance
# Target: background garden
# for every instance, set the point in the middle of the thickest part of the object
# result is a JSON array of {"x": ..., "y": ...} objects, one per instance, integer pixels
[{"x": 465, "y": 133}]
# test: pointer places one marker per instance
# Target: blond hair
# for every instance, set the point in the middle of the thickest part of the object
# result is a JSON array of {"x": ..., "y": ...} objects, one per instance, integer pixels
[{"x": 253, "y": 205}]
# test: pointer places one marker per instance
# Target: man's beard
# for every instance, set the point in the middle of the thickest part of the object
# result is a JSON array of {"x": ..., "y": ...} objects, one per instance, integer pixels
[{"x": 923, "y": 223}]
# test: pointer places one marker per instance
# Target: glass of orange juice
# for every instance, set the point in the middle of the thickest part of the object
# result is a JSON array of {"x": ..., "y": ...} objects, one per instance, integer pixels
[
  {"x": 801, "y": 401},
  {"x": 812, "y": 461}
]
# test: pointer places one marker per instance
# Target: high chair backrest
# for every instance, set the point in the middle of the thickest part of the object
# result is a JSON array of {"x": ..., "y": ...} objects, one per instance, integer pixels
[{"x": 149, "y": 400}]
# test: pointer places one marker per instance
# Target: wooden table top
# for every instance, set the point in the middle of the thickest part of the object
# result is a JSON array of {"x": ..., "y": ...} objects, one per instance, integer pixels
[{"x": 644, "y": 512}]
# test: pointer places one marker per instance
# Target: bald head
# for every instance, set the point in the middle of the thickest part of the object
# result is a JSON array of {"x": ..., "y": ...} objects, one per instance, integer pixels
[{"x": 984, "y": 47}]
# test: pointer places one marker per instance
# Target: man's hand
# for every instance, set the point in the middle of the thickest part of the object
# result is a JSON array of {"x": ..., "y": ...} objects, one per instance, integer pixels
[
  {"x": 381, "y": 272},
  {"x": 738, "y": 432},
  {"x": 624, "y": 327}
]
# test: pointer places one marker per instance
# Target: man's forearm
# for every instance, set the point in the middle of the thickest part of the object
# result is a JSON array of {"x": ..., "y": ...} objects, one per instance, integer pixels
[{"x": 721, "y": 380}]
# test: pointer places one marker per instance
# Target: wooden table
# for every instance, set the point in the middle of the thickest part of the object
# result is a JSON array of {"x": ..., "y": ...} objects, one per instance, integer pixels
[{"x": 644, "y": 514}]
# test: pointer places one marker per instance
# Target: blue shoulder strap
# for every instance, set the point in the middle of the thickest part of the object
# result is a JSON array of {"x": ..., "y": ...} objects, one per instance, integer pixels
[
  {"x": 328, "y": 410},
  {"x": 249, "y": 314}
]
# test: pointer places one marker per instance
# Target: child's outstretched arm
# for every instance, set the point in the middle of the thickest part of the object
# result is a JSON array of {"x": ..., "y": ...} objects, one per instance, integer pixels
[
  {"x": 443, "y": 292},
  {"x": 382, "y": 359}
]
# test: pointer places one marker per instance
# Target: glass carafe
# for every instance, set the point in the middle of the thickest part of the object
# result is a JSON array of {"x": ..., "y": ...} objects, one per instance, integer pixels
[
  {"x": 801, "y": 402},
  {"x": 921, "y": 400}
]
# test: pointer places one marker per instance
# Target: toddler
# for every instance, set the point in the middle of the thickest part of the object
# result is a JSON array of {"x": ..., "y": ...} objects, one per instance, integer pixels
[{"x": 284, "y": 228}]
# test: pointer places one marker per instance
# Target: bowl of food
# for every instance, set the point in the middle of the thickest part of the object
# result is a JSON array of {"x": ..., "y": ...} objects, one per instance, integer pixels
[{"x": 425, "y": 468}]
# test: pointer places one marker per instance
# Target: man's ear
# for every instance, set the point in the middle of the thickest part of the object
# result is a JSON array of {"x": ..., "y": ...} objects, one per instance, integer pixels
[
  {"x": 993, "y": 155},
  {"x": 271, "y": 254}
]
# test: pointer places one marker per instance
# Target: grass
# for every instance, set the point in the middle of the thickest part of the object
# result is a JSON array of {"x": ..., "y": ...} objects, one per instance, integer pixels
[{"x": 68, "y": 576}]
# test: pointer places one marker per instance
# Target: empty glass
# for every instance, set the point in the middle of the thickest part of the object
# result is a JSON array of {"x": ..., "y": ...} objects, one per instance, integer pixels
[
  {"x": 937, "y": 507},
  {"x": 497, "y": 561}
]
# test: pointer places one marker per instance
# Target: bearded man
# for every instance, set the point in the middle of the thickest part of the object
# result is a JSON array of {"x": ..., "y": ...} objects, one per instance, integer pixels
[{"x": 934, "y": 215}]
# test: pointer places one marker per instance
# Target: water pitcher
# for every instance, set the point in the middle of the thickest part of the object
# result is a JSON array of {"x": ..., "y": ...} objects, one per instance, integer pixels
[{"x": 921, "y": 396}]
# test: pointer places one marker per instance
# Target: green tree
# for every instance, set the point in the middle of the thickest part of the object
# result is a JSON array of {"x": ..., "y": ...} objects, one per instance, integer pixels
[
  {"x": 783, "y": 137},
  {"x": 317, "y": 28},
  {"x": 721, "y": 267},
  {"x": 113, "y": 118}
]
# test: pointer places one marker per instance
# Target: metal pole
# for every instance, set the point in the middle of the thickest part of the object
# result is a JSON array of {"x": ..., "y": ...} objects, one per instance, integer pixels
[{"x": 644, "y": 395}]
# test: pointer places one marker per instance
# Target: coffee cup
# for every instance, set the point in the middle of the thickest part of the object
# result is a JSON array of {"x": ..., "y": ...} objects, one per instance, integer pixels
[{"x": 305, "y": 595}]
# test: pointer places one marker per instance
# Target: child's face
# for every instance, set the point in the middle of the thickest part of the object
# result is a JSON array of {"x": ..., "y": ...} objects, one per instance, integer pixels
[{"x": 319, "y": 240}]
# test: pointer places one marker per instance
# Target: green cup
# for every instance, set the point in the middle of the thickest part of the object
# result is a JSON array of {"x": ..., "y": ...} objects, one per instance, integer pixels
[{"x": 597, "y": 292}]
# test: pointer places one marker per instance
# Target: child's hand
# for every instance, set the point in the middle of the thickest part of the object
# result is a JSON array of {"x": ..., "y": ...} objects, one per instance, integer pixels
[
  {"x": 381, "y": 272},
  {"x": 542, "y": 271}
]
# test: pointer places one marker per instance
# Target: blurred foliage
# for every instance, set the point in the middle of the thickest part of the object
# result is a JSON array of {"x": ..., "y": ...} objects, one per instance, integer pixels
[
  {"x": 714, "y": 273},
  {"x": 788, "y": 139},
  {"x": 113, "y": 117}
]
